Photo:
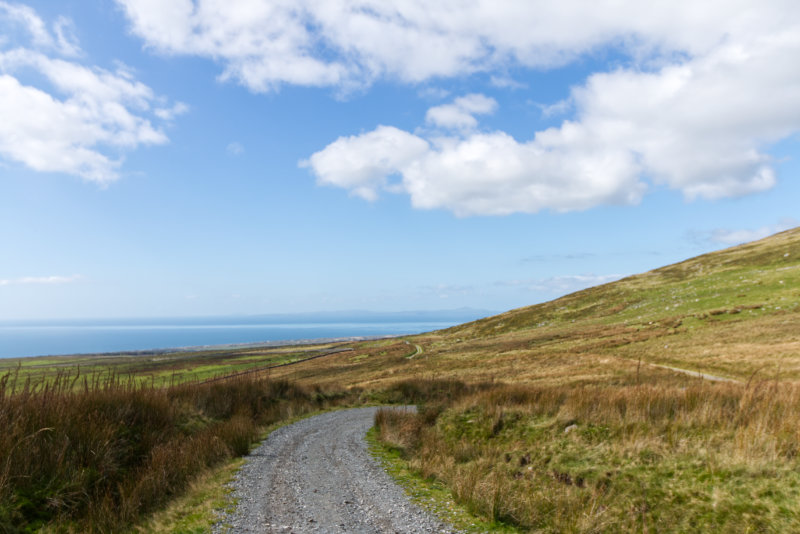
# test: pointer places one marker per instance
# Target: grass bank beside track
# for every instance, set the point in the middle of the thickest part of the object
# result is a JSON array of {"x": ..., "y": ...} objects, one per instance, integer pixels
[
  {"x": 587, "y": 414},
  {"x": 709, "y": 457},
  {"x": 99, "y": 455}
]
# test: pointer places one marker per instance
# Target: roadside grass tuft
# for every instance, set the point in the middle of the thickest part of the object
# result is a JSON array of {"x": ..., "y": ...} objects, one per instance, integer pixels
[{"x": 428, "y": 493}]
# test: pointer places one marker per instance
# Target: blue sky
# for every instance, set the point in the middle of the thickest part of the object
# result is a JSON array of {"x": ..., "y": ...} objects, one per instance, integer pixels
[{"x": 210, "y": 158}]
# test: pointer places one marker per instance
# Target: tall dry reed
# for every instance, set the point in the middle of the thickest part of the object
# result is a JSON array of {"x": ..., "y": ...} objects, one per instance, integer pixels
[
  {"x": 94, "y": 453},
  {"x": 705, "y": 457}
]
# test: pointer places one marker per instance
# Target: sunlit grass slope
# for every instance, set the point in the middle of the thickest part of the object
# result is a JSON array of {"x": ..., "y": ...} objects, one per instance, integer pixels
[
  {"x": 730, "y": 313},
  {"x": 573, "y": 424},
  {"x": 705, "y": 457}
]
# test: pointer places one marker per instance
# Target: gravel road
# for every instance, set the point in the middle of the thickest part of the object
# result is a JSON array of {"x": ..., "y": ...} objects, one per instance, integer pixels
[{"x": 317, "y": 476}]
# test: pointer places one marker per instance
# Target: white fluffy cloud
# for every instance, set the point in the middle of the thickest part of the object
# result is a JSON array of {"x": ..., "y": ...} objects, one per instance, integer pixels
[
  {"x": 701, "y": 92},
  {"x": 488, "y": 173},
  {"x": 264, "y": 43},
  {"x": 461, "y": 113},
  {"x": 363, "y": 163},
  {"x": 74, "y": 119},
  {"x": 700, "y": 126}
]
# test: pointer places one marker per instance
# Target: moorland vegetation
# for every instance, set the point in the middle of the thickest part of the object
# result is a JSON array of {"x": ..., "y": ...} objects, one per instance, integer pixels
[{"x": 575, "y": 415}]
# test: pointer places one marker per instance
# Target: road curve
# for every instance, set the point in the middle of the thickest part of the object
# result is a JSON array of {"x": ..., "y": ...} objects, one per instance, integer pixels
[{"x": 318, "y": 476}]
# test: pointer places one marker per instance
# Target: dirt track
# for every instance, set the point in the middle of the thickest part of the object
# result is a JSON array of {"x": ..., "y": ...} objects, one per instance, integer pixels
[{"x": 317, "y": 476}]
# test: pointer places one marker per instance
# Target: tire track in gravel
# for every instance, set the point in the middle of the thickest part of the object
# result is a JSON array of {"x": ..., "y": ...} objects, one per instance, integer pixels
[{"x": 317, "y": 476}]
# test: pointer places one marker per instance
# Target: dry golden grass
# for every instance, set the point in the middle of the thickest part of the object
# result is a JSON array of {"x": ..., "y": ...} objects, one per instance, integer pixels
[
  {"x": 94, "y": 454},
  {"x": 566, "y": 427},
  {"x": 702, "y": 458}
]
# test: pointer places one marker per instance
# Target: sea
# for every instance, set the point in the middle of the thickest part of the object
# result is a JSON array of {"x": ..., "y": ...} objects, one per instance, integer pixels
[{"x": 43, "y": 338}]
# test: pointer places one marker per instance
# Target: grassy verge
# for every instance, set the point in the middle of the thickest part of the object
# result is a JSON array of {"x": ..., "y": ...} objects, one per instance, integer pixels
[
  {"x": 428, "y": 493},
  {"x": 100, "y": 455},
  {"x": 195, "y": 512},
  {"x": 702, "y": 458}
]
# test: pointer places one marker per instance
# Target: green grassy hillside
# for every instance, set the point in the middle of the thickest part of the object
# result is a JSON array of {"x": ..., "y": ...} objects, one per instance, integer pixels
[
  {"x": 759, "y": 278},
  {"x": 730, "y": 313}
]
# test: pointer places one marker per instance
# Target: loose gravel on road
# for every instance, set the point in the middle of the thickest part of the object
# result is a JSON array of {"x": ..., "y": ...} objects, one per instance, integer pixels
[{"x": 318, "y": 476}]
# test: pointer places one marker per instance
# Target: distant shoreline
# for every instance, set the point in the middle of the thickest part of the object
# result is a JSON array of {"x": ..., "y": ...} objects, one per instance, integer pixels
[
  {"x": 30, "y": 339},
  {"x": 222, "y": 346},
  {"x": 109, "y": 342}
]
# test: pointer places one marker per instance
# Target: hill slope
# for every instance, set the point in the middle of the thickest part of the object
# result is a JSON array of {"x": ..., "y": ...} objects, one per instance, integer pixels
[
  {"x": 754, "y": 275},
  {"x": 581, "y": 418},
  {"x": 730, "y": 313}
]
